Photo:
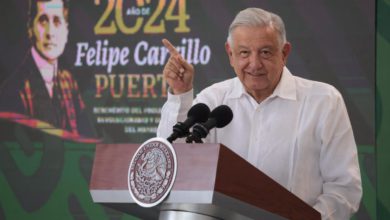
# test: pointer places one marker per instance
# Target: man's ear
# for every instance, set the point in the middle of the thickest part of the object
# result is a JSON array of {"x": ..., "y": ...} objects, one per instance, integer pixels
[
  {"x": 31, "y": 36},
  {"x": 229, "y": 52},
  {"x": 286, "y": 51},
  {"x": 30, "y": 33}
]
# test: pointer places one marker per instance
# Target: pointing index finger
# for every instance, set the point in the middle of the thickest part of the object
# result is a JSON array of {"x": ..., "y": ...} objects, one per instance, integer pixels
[{"x": 172, "y": 50}]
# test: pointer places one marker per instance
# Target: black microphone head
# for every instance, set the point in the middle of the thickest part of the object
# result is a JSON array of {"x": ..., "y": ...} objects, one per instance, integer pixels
[
  {"x": 199, "y": 113},
  {"x": 223, "y": 115},
  {"x": 219, "y": 117}
]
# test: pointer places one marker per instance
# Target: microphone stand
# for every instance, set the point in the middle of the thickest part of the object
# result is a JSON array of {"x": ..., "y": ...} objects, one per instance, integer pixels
[{"x": 191, "y": 138}]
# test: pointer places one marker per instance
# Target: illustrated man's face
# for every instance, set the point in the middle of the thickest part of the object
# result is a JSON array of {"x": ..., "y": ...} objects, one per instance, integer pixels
[{"x": 50, "y": 29}]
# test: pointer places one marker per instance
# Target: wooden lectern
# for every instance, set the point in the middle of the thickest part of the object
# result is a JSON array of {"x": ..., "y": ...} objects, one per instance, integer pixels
[{"x": 212, "y": 182}]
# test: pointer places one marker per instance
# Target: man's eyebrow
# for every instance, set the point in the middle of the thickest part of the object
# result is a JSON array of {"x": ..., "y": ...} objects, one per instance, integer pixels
[
  {"x": 242, "y": 47},
  {"x": 42, "y": 16}
]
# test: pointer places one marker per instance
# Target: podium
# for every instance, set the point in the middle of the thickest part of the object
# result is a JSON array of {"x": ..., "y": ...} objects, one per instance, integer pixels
[{"x": 212, "y": 182}]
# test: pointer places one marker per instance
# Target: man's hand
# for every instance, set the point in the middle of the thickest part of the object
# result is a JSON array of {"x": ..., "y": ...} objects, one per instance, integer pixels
[{"x": 178, "y": 73}]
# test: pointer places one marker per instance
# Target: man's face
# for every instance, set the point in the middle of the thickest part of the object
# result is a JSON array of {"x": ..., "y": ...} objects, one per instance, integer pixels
[
  {"x": 50, "y": 29},
  {"x": 258, "y": 58}
]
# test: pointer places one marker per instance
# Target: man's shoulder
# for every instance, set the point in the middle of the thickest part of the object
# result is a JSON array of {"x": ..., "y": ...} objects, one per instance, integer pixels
[
  {"x": 15, "y": 81},
  {"x": 315, "y": 88},
  {"x": 225, "y": 85},
  {"x": 219, "y": 91}
]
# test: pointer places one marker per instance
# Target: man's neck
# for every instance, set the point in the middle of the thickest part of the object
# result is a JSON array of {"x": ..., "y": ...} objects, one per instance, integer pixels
[
  {"x": 47, "y": 69},
  {"x": 40, "y": 61}
]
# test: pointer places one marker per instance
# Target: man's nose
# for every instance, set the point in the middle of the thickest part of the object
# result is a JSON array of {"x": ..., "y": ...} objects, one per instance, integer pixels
[
  {"x": 255, "y": 62},
  {"x": 50, "y": 30}
]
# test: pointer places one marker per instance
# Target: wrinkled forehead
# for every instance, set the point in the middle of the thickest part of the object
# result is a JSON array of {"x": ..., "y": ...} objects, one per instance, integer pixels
[
  {"x": 55, "y": 7},
  {"x": 260, "y": 33}
]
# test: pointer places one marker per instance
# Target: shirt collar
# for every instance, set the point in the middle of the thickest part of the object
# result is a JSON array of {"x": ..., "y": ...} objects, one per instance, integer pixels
[
  {"x": 41, "y": 62},
  {"x": 285, "y": 89}
]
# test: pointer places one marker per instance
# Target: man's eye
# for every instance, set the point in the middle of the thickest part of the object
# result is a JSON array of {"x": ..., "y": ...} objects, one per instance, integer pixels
[
  {"x": 57, "y": 21},
  {"x": 244, "y": 53},
  {"x": 43, "y": 19},
  {"x": 266, "y": 54}
]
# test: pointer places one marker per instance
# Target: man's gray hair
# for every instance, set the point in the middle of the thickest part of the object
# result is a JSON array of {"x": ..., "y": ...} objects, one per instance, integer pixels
[{"x": 257, "y": 17}]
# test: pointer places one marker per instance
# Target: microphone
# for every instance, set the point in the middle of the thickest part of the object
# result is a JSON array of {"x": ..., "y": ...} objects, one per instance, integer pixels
[
  {"x": 219, "y": 117},
  {"x": 197, "y": 113}
]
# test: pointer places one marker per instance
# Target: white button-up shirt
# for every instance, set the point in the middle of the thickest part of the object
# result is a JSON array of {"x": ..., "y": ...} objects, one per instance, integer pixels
[{"x": 300, "y": 136}]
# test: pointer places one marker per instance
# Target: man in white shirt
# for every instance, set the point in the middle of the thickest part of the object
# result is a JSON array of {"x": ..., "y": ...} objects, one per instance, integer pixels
[{"x": 295, "y": 130}]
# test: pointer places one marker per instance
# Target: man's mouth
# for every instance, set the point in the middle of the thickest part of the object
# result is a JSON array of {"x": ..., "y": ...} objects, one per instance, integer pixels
[
  {"x": 256, "y": 74},
  {"x": 49, "y": 45}
]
